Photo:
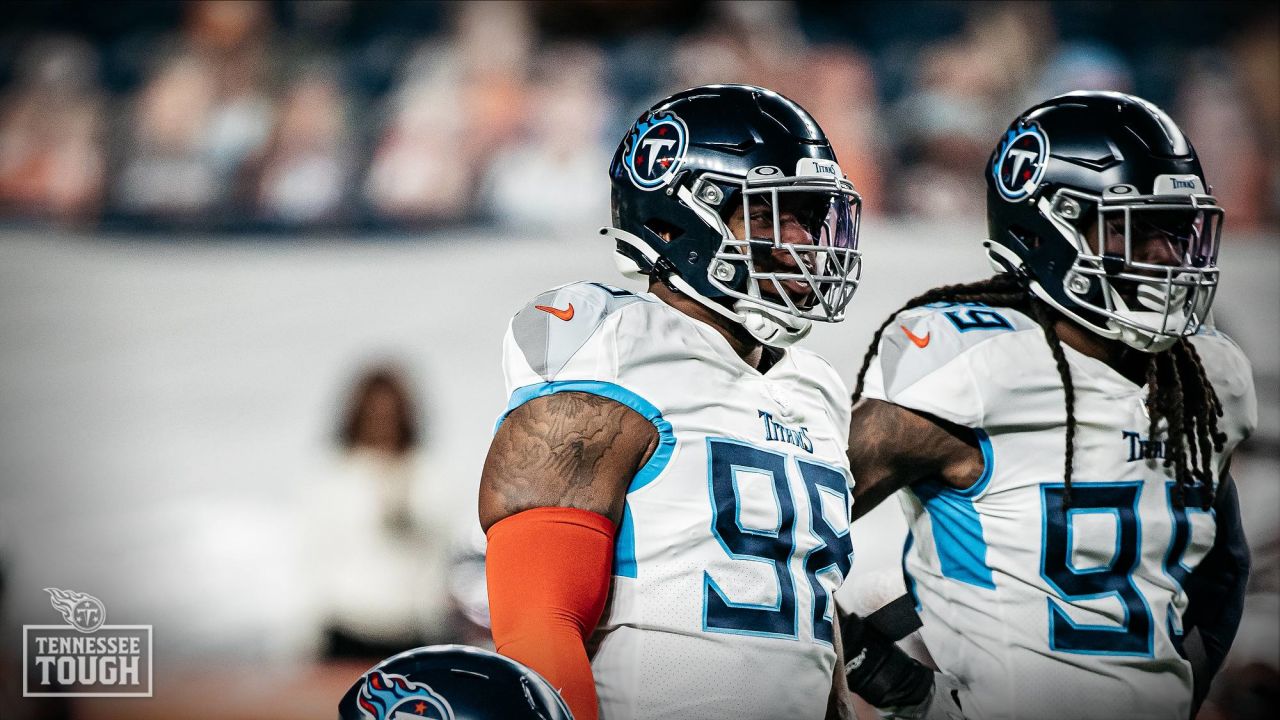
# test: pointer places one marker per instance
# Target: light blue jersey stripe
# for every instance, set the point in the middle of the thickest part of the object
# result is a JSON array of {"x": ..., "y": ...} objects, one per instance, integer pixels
[{"x": 957, "y": 529}]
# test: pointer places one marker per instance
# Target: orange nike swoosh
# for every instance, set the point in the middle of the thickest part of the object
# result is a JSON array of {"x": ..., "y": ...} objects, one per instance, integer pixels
[
  {"x": 565, "y": 314},
  {"x": 919, "y": 341}
]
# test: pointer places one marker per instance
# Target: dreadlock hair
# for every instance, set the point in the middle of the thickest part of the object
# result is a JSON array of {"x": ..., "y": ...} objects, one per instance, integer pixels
[{"x": 1179, "y": 391}]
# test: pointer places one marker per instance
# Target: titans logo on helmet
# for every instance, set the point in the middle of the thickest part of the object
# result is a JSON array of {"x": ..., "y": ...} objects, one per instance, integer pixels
[
  {"x": 655, "y": 150},
  {"x": 1020, "y": 162},
  {"x": 395, "y": 697}
]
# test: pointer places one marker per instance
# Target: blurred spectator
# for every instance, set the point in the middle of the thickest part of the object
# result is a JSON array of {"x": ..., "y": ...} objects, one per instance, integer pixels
[
  {"x": 201, "y": 116},
  {"x": 756, "y": 43},
  {"x": 422, "y": 168},
  {"x": 1082, "y": 66},
  {"x": 556, "y": 173},
  {"x": 1214, "y": 112},
  {"x": 841, "y": 95},
  {"x": 380, "y": 529},
  {"x": 287, "y": 114},
  {"x": 1255, "y": 57},
  {"x": 167, "y": 172},
  {"x": 458, "y": 102},
  {"x": 307, "y": 164},
  {"x": 964, "y": 92},
  {"x": 233, "y": 36},
  {"x": 52, "y": 158}
]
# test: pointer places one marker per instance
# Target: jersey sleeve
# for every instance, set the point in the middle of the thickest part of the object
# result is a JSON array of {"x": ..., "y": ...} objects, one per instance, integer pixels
[
  {"x": 562, "y": 340},
  {"x": 927, "y": 357},
  {"x": 1231, "y": 375}
]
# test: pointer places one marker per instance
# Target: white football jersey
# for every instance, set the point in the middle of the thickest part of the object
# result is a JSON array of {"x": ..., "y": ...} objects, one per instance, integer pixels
[
  {"x": 736, "y": 532},
  {"x": 1050, "y": 609}
]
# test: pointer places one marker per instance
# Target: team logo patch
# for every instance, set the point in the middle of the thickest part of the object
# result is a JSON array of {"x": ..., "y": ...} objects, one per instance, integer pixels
[
  {"x": 1020, "y": 162},
  {"x": 655, "y": 149},
  {"x": 85, "y": 657},
  {"x": 82, "y": 611},
  {"x": 396, "y": 697}
]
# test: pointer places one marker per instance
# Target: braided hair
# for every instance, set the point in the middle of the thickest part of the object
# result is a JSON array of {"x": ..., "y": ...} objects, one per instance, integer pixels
[{"x": 1179, "y": 391}]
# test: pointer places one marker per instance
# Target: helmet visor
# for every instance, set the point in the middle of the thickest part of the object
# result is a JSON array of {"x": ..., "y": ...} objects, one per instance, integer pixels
[{"x": 1157, "y": 237}]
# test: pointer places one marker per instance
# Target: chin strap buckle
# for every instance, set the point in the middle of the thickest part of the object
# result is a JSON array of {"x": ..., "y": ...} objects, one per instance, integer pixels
[
  {"x": 663, "y": 269},
  {"x": 769, "y": 328}
]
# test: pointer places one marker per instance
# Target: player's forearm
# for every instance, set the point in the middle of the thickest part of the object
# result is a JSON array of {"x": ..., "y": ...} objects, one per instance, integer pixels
[
  {"x": 548, "y": 575},
  {"x": 892, "y": 447},
  {"x": 560, "y": 658}
]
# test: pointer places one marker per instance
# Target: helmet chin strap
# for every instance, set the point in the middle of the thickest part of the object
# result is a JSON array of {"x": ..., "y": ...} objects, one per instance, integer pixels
[
  {"x": 1142, "y": 341},
  {"x": 1152, "y": 316},
  {"x": 769, "y": 328},
  {"x": 780, "y": 331}
]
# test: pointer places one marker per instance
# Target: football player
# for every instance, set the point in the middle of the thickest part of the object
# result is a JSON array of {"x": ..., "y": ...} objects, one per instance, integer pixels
[
  {"x": 666, "y": 498},
  {"x": 1063, "y": 430}
]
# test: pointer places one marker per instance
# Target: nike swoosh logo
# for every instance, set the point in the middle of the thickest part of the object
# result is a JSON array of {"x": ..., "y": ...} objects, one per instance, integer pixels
[
  {"x": 916, "y": 339},
  {"x": 565, "y": 314}
]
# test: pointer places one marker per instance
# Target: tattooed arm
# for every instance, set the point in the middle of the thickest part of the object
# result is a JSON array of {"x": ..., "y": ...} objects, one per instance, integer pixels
[
  {"x": 571, "y": 450},
  {"x": 551, "y": 498},
  {"x": 891, "y": 447}
]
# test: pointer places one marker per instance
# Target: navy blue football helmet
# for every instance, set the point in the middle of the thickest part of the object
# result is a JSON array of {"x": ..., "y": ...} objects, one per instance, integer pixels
[
  {"x": 1099, "y": 201},
  {"x": 694, "y": 161},
  {"x": 451, "y": 682}
]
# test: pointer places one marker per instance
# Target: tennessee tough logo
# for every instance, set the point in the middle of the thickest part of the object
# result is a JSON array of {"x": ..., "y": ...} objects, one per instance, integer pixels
[
  {"x": 1021, "y": 161},
  {"x": 655, "y": 150}
]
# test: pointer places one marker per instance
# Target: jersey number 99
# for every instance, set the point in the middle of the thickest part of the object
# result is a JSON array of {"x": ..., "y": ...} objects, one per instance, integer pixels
[{"x": 1134, "y": 634}]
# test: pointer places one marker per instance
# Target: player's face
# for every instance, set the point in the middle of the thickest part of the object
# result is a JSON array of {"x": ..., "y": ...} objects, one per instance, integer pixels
[
  {"x": 800, "y": 219},
  {"x": 1158, "y": 239}
]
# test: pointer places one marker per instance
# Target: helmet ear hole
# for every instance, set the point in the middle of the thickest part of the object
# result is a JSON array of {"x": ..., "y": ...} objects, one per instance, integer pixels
[
  {"x": 663, "y": 229},
  {"x": 1029, "y": 240}
]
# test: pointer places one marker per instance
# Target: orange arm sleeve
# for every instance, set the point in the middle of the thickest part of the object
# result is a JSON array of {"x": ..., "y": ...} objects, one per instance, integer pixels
[{"x": 548, "y": 573}]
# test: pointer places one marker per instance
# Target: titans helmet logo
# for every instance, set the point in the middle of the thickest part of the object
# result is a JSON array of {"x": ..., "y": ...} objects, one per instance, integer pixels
[
  {"x": 655, "y": 149},
  {"x": 396, "y": 697},
  {"x": 1020, "y": 162},
  {"x": 82, "y": 611}
]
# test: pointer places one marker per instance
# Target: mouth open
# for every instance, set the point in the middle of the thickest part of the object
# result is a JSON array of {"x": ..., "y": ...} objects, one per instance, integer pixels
[{"x": 783, "y": 263}]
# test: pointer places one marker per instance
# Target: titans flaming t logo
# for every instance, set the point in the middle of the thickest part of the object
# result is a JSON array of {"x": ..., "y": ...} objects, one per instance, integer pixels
[
  {"x": 655, "y": 150},
  {"x": 82, "y": 611},
  {"x": 1020, "y": 162},
  {"x": 396, "y": 697}
]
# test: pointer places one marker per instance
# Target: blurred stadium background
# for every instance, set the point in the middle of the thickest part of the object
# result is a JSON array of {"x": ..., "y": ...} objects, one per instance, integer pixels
[{"x": 256, "y": 260}]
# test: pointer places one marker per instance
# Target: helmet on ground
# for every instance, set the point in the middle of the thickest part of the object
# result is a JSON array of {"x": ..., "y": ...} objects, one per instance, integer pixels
[
  {"x": 451, "y": 682},
  {"x": 1098, "y": 200},
  {"x": 731, "y": 194}
]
